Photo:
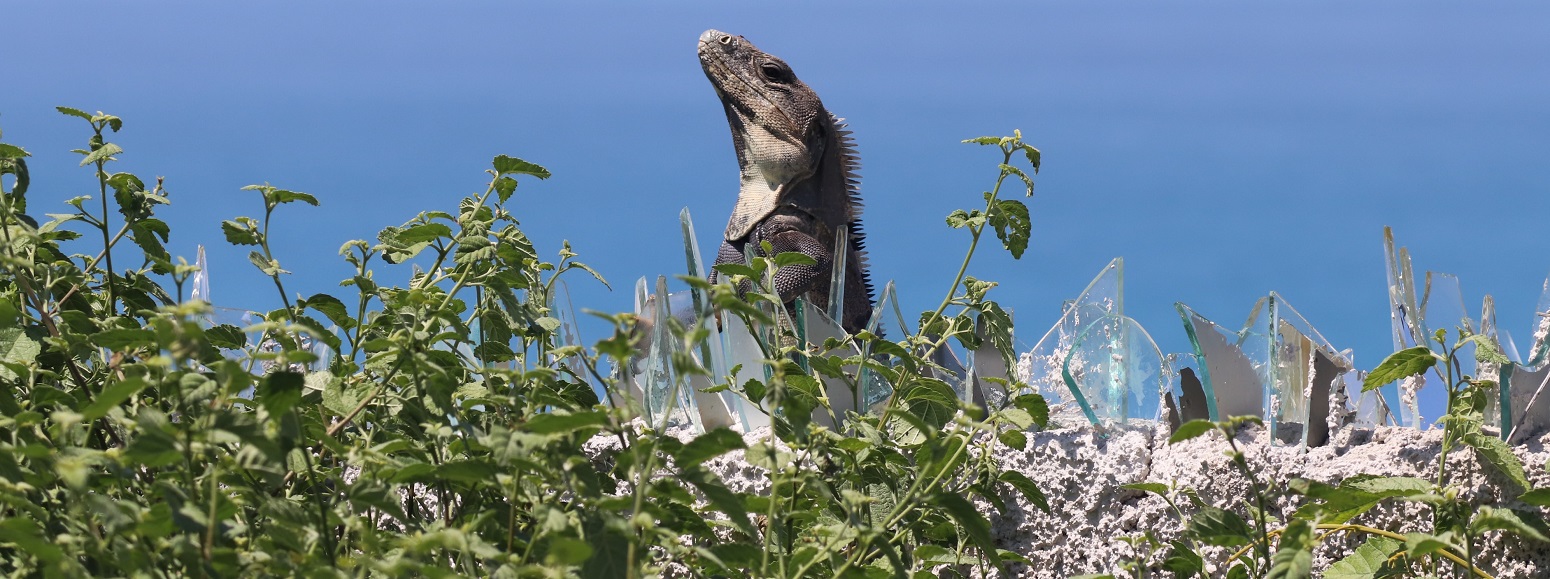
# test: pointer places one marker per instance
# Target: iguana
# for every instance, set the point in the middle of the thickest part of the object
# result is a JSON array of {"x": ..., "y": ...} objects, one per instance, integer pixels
[{"x": 797, "y": 165}]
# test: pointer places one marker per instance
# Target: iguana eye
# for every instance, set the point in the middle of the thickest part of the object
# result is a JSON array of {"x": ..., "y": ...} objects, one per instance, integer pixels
[{"x": 774, "y": 72}]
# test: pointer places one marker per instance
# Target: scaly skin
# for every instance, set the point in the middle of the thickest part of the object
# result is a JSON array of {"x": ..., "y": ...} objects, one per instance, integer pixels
[{"x": 797, "y": 175}]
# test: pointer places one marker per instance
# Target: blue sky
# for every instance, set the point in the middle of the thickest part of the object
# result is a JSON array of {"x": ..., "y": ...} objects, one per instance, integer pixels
[{"x": 1225, "y": 149}]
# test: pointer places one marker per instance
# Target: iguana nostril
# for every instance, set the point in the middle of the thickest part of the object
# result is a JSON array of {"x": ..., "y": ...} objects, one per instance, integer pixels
[{"x": 726, "y": 39}]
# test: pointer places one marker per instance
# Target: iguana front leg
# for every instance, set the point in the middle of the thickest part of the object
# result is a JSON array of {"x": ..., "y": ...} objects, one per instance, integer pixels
[{"x": 784, "y": 234}]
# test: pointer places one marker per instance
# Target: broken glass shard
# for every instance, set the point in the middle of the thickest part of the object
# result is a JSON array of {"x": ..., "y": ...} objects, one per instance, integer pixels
[
  {"x": 1043, "y": 367},
  {"x": 1114, "y": 372}
]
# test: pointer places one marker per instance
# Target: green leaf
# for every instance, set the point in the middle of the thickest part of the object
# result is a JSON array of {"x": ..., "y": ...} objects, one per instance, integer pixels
[
  {"x": 567, "y": 551},
  {"x": 331, "y": 308},
  {"x": 562, "y": 422},
  {"x": 12, "y": 152},
  {"x": 73, "y": 112},
  {"x": 226, "y": 336},
  {"x": 930, "y": 400},
  {"x": 1158, "y": 489},
  {"x": 270, "y": 267},
  {"x": 1498, "y": 454},
  {"x": 504, "y": 187},
  {"x": 1537, "y": 497},
  {"x": 1220, "y": 527},
  {"x": 984, "y": 140},
  {"x": 18, "y": 348},
  {"x": 282, "y": 196},
  {"x": 1369, "y": 561},
  {"x": 124, "y": 339},
  {"x": 112, "y": 396},
  {"x": 1293, "y": 558},
  {"x": 505, "y": 165},
  {"x": 279, "y": 391},
  {"x": 1182, "y": 560},
  {"x": 1399, "y": 365},
  {"x": 1419, "y": 545},
  {"x": 1026, "y": 486},
  {"x": 707, "y": 446},
  {"x": 1033, "y": 158},
  {"x": 470, "y": 472},
  {"x": 1012, "y": 224},
  {"x": 105, "y": 152},
  {"x": 1191, "y": 429},
  {"x": 242, "y": 231},
  {"x": 790, "y": 258},
  {"x": 25, "y": 534},
  {"x": 1015, "y": 439},
  {"x": 1036, "y": 406},
  {"x": 1495, "y": 519},
  {"x": 972, "y": 522}
]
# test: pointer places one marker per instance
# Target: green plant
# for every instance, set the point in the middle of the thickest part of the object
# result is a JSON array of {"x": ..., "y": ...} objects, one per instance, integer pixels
[
  {"x": 449, "y": 429},
  {"x": 1328, "y": 510}
]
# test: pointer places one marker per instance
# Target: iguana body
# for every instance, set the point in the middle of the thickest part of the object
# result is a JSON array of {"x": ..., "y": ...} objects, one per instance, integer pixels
[{"x": 797, "y": 169}]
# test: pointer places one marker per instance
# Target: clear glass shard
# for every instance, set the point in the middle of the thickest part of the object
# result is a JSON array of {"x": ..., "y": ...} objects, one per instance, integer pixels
[
  {"x": 1232, "y": 385},
  {"x": 1042, "y": 368},
  {"x": 1115, "y": 373},
  {"x": 875, "y": 389},
  {"x": 837, "y": 276},
  {"x": 1408, "y": 331},
  {"x": 1279, "y": 367}
]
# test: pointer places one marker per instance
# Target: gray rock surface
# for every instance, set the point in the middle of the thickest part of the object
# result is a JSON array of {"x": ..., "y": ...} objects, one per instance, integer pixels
[{"x": 1081, "y": 474}]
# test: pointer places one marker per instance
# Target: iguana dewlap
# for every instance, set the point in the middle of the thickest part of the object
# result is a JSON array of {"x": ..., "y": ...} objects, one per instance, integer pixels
[{"x": 796, "y": 165}]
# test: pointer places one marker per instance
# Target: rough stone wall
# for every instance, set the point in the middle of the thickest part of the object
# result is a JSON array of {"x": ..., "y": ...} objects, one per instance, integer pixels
[{"x": 1081, "y": 473}]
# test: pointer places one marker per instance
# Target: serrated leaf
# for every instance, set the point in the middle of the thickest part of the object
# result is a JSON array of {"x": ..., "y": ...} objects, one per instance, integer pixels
[
  {"x": 1498, "y": 454},
  {"x": 124, "y": 339},
  {"x": 558, "y": 422},
  {"x": 1368, "y": 561},
  {"x": 567, "y": 551},
  {"x": 282, "y": 196},
  {"x": 1495, "y": 519},
  {"x": 1537, "y": 497},
  {"x": 1293, "y": 558},
  {"x": 241, "y": 232},
  {"x": 1399, "y": 365},
  {"x": 1036, "y": 406},
  {"x": 790, "y": 258},
  {"x": 505, "y": 165},
  {"x": 984, "y": 140},
  {"x": 73, "y": 112},
  {"x": 331, "y": 308},
  {"x": 1014, "y": 439},
  {"x": 112, "y": 396},
  {"x": 18, "y": 348},
  {"x": 279, "y": 391},
  {"x": 1026, "y": 486},
  {"x": 1219, "y": 527},
  {"x": 707, "y": 446},
  {"x": 1191, "y": 429},
  {"x": 12, "y": 152},
  {"x": 1158, "y": 489},
  {"x": 1419, "y": 545},
  {"x": 972, "y": 522},
  {"x": 104, "y": 152}
]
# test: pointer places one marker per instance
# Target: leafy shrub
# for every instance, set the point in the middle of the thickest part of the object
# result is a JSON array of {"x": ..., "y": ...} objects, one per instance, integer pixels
[{"x": 137, "y": 438}]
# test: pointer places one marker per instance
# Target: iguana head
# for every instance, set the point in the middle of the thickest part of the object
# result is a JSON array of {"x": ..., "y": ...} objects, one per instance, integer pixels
[{"x": 779, "y": 127}]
